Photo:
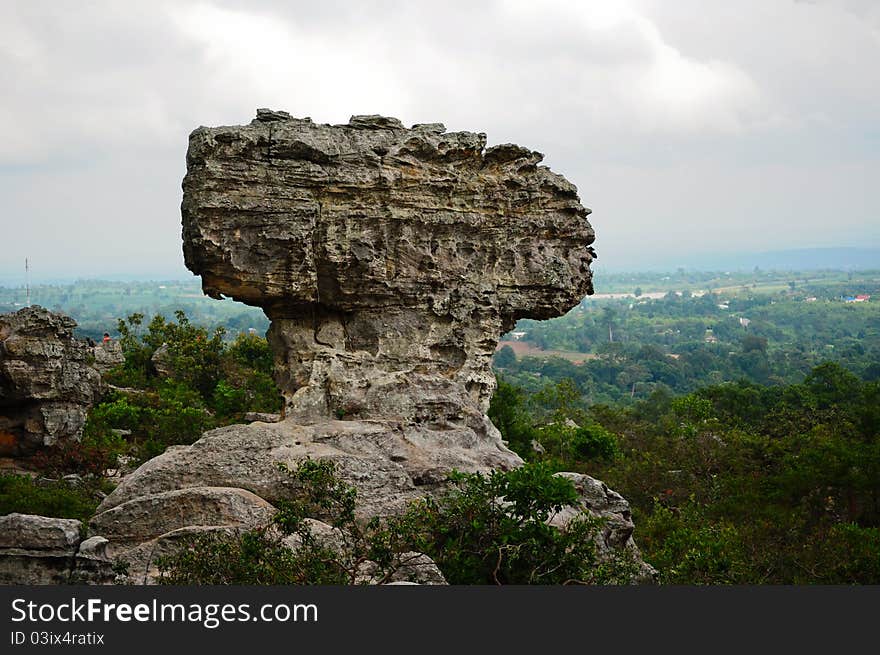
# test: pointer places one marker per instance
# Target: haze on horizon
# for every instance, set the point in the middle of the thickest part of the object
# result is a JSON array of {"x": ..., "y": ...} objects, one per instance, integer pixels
[{"x": 689, "y": 127}]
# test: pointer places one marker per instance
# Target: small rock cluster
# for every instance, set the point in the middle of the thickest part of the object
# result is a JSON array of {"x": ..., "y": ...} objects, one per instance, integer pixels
[{"x": 48, "y": 379}]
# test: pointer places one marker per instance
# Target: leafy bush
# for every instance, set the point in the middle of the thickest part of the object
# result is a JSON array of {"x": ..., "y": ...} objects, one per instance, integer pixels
[
  {"x": 252, "y": 352},
  {"x": 56, "y": 498},
  {"x": 230, "y": 379},
  {"x": 593, "y": 442},
  {"x": 169, "y": 414},
  {"x": 262, "y": 557},
  {"x": 487, "y": 530},
  {"x": 686, "y": 548},
  {"x": 97, "y": 452},
  {"x": 256, "y": 557},
  {"x": 564, "y": 443},
  {"x": 849, "y": 554},
  {"x": 492, "y": 529}
]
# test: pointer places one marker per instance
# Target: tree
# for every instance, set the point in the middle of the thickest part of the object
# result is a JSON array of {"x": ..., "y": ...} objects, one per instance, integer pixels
[
  {"x": 752, "y": 343},
  {"x": 507, "y": 411},
  {"x": 505, "y": 357},
  {"x": 608, "y": 317}
]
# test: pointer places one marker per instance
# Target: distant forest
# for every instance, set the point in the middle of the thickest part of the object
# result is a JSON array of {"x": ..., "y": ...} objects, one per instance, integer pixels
[
  {"x": 682, "y": 331},
  {"x": 97, "y": 305},
  {"x": 739, "y": 413}
]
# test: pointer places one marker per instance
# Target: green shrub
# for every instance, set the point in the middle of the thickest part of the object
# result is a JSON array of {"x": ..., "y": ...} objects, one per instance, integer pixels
[
  {"x": 256, "y": 557},
  {"x": 171, "y": 413},
  {"x": 228, "y": 401},
  {"x": 848, "y": 554},
  {"x": 260, "y": 556},
  {"x": 593, "y": 442},
  {"x": 253, "y": 352},
  {"x": 98, "y": 451},
  {"x": 487, "y": 530},
  {"x": 688, "y": 548},
  {"x": 492, "y": 529},
  {"x": 193, "y": 355},
  {"x": 56, "y": 498}
]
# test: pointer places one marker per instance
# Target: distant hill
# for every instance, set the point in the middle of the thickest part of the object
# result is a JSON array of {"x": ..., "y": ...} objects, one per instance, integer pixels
[
  {"x": 782, "y": 260},
  {"x": 15, "y": 279},
  {"x": 800, "y": 259}
]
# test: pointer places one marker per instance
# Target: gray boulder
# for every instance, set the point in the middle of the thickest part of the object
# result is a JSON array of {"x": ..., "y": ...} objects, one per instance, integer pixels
[
  {"x": 37, "y": 549},
  {"x": 151, "y": 515},
  {"x": 47, "y": 381},
  {"x": 108, "y": 355}
]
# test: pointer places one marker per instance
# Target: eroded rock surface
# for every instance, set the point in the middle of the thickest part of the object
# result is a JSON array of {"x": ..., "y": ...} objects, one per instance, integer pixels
[
  {"x": 48, "y": 380},
  {"x": 390, "y": 464},
  {"x": 108, "y": 355},
  {"x": 37, "y": 549},
  {"x": 388, "y": 259}
]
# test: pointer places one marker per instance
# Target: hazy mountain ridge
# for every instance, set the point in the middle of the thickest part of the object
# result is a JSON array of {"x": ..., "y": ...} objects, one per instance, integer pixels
[{"x": 796, "y": 259}]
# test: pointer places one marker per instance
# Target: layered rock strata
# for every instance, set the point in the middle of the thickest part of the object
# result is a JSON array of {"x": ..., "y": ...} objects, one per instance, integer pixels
[
  {"x": 389, "y": 261},
  {"x": 37, "y": 549},
  {"x": 48, "y": 380}
]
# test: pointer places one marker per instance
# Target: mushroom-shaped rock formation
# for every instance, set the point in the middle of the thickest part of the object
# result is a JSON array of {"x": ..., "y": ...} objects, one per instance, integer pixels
[{"x": 388, "y": 259}]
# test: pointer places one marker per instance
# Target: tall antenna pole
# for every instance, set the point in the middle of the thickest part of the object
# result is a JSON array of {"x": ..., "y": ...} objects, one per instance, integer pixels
[{"x": 27, "y": 281}]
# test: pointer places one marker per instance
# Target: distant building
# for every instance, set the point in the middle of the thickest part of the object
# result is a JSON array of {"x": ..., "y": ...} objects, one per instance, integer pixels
[
  {"x": 744, "y": 321},
  {"x": 710, "y": 337},
  {"x": 517, "y": 335},
  {"x": 863, "y": 297},
  {"x": 811, "y": 299}
]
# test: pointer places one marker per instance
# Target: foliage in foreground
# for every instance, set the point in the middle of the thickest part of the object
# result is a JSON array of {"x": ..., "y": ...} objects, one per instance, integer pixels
[
  {"x": 493, "y": 529},
  {"x": 486, "y": 530},
  {"x": 56, "y": 498},
  {"x": 740, "y": 483},
  {"x": 204, "y": 382}
]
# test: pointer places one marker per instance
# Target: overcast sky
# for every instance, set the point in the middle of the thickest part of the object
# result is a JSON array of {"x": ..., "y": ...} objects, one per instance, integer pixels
[{"x": 687, "y": 125}]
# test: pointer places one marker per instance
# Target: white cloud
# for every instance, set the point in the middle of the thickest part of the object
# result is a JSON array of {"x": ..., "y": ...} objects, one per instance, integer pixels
[
  {"x": 647, "y": 105},
  {"x": 607, "y": 60}
]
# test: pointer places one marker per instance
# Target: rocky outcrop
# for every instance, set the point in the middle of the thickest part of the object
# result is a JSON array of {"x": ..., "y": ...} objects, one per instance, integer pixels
[
  {"x": 389, "y": 464},
  {"x": 48, "y": 381},
  {"x": 107, "y": 356},
  {"x": 389, "y": 261},
  {"x": 149, "y": 516},
  {"x": 616, "y": 531},
  {"x": 161, "y": 361},
  {"x": 37, "y": 549},
  {"x": 146, "y": 527}
]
